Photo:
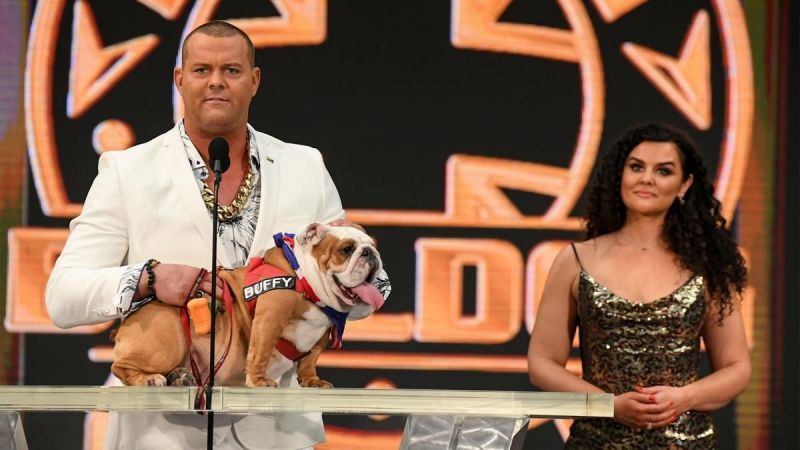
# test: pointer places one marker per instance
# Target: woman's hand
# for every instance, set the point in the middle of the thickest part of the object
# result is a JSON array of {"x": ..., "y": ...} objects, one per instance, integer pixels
[
  {"x": 642, "y": 410},
  {"x": 677, "y": 396}
]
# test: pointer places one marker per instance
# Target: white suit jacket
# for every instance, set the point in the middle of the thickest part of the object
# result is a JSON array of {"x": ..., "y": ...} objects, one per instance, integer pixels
[{"x": 145, "y": 204}]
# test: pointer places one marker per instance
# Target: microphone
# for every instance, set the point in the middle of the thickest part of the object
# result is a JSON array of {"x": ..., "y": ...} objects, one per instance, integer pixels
[
  {"x": 220, "y": 160},
  {"x": 218, "y": 155}
]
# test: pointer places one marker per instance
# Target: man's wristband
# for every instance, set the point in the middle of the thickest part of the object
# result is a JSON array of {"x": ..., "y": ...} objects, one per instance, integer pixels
[{"x": 150, "y": 282}]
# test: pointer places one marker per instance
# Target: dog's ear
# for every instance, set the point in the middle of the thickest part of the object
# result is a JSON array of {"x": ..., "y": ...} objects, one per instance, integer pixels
[{"x": 312, "y": 234}]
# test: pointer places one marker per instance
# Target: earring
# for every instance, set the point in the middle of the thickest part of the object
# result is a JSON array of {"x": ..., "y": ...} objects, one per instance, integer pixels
[{"x": 681, "y": 200}]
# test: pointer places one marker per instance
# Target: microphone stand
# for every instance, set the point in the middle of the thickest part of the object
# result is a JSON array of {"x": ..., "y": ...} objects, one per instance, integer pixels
[{"x": 212, "y": 364}]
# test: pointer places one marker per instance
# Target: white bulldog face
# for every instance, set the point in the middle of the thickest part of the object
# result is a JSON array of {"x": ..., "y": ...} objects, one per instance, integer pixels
[{"x": 348, "y": 263}]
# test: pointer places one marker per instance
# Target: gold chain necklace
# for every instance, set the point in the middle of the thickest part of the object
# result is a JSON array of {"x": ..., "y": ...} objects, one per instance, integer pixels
[{"x": 233, "y": 211}]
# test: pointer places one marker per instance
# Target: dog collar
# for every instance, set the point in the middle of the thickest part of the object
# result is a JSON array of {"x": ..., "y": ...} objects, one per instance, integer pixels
[{"x": 285, "y": 241}]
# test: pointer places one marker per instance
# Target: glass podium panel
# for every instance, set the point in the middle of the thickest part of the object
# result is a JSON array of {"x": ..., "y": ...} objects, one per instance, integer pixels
[
  {"x": 436, "y": 419},
  {"x": 464, "y": 433},
  {"x": 12, "y": 436}
]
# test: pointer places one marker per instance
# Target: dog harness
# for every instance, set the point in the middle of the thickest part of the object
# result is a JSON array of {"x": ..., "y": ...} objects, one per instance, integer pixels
[
  {"x": 259, "y": 279},
  {"x": 262, "y": 277}
]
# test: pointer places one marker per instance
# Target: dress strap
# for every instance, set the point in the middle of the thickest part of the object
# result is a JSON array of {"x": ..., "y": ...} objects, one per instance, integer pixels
[{"x": 577, "y": 258}]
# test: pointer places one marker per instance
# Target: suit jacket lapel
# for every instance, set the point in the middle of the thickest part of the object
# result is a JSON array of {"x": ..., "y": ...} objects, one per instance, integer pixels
[
  {"x": 175, "y": 164},
  {"x": 270, "y": 187}
]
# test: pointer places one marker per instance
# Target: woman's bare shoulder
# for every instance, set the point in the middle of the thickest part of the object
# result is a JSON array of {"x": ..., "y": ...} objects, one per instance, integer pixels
[
  {"x": 593, "y": 245},
  {"x": 593, "y": 249},
  {"x": 565, "y": 260},
  {"x": 573, "y": 256}
]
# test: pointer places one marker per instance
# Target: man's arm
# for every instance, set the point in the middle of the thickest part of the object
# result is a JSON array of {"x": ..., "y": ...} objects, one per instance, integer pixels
[
  {"x": 83, "y": 285},
  {"x": 331, "y": 205}
]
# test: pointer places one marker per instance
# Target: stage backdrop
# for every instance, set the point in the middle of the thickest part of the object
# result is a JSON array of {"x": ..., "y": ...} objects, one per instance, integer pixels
[{"x": 461, "y": 133}]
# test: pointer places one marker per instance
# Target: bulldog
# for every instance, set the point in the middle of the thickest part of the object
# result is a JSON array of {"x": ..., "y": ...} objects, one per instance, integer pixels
[{"x": 284, "y": 309}]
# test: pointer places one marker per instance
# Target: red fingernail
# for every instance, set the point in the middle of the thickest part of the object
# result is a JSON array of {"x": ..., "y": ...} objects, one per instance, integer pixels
[{"x": 652, "y": 398}]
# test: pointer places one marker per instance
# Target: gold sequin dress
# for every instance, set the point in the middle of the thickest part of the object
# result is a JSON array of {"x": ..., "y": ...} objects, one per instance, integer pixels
[{"x": 625, "y": 343}]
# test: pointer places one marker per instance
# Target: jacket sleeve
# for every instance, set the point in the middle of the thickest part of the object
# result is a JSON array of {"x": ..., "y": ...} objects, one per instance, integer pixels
[
  {"x": 83, "y": 285},
  {"x": 331, "y": 205}
]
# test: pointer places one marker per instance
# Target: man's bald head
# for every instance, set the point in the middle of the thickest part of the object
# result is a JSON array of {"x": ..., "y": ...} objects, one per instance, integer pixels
[{"x": 219, "y": 28}]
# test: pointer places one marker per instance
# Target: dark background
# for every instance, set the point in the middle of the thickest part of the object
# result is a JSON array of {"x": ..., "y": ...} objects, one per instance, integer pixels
[{"x": 786, "y": 395}]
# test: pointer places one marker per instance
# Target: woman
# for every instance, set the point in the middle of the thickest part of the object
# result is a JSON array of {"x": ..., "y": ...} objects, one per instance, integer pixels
[{"x": 658, "y": 271}]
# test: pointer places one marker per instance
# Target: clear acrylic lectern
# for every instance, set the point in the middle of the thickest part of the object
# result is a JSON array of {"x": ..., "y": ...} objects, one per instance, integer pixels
[{"x": 437, "y": 419}]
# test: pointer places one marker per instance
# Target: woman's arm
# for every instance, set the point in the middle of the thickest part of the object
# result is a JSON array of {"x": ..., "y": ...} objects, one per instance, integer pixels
[
  {"x": 551, "y": 339},
  {"x": 726, "y": 345}
]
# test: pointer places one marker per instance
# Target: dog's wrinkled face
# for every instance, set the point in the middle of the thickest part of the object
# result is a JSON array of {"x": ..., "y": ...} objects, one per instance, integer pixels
[{"x": 348, "y": 263}]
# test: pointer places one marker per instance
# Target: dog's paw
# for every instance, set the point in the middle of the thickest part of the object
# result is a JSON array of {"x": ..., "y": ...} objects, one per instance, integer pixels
[
  {"x": 261, "y": 382},
  {"x": 180, "y": 376},
  {"x": 314, "y": 382},
  {"x": 155, "y": 379}
]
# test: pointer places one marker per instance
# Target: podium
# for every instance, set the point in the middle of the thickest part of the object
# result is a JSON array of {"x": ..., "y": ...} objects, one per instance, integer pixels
[{"x": 437, "y": 419}]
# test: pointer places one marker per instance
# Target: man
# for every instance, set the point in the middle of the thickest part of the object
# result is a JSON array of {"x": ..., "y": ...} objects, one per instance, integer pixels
[{"x": 151, "y": 204}]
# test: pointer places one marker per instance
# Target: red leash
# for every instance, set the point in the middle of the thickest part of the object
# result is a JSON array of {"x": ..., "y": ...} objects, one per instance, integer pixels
[{"x": 200, "y": 399}]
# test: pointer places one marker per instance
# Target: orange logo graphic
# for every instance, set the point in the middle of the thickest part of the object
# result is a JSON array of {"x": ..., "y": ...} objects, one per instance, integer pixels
[{"x": 508, "y": 280}]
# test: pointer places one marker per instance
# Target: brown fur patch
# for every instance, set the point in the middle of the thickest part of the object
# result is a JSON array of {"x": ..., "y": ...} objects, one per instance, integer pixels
[{"x": 328, "y": 252}]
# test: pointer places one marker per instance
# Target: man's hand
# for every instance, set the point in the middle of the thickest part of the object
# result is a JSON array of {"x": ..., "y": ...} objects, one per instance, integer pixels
[
  {"x": 174, "y": 282},
  {"x": 346, "y": 223}
]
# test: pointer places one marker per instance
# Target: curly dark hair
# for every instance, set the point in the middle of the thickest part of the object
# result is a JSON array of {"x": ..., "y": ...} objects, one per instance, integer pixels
[{"x": 695, "y": 231}]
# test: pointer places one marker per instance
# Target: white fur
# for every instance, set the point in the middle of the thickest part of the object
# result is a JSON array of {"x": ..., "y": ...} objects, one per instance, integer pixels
[
  {"x": 308, "y": 330},
  {"x": 353, "y": 274},
  {"x": 303, "y": 334}
]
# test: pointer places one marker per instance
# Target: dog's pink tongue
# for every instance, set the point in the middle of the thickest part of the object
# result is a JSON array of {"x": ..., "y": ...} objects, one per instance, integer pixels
[{"x": 369, "y": 294}]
